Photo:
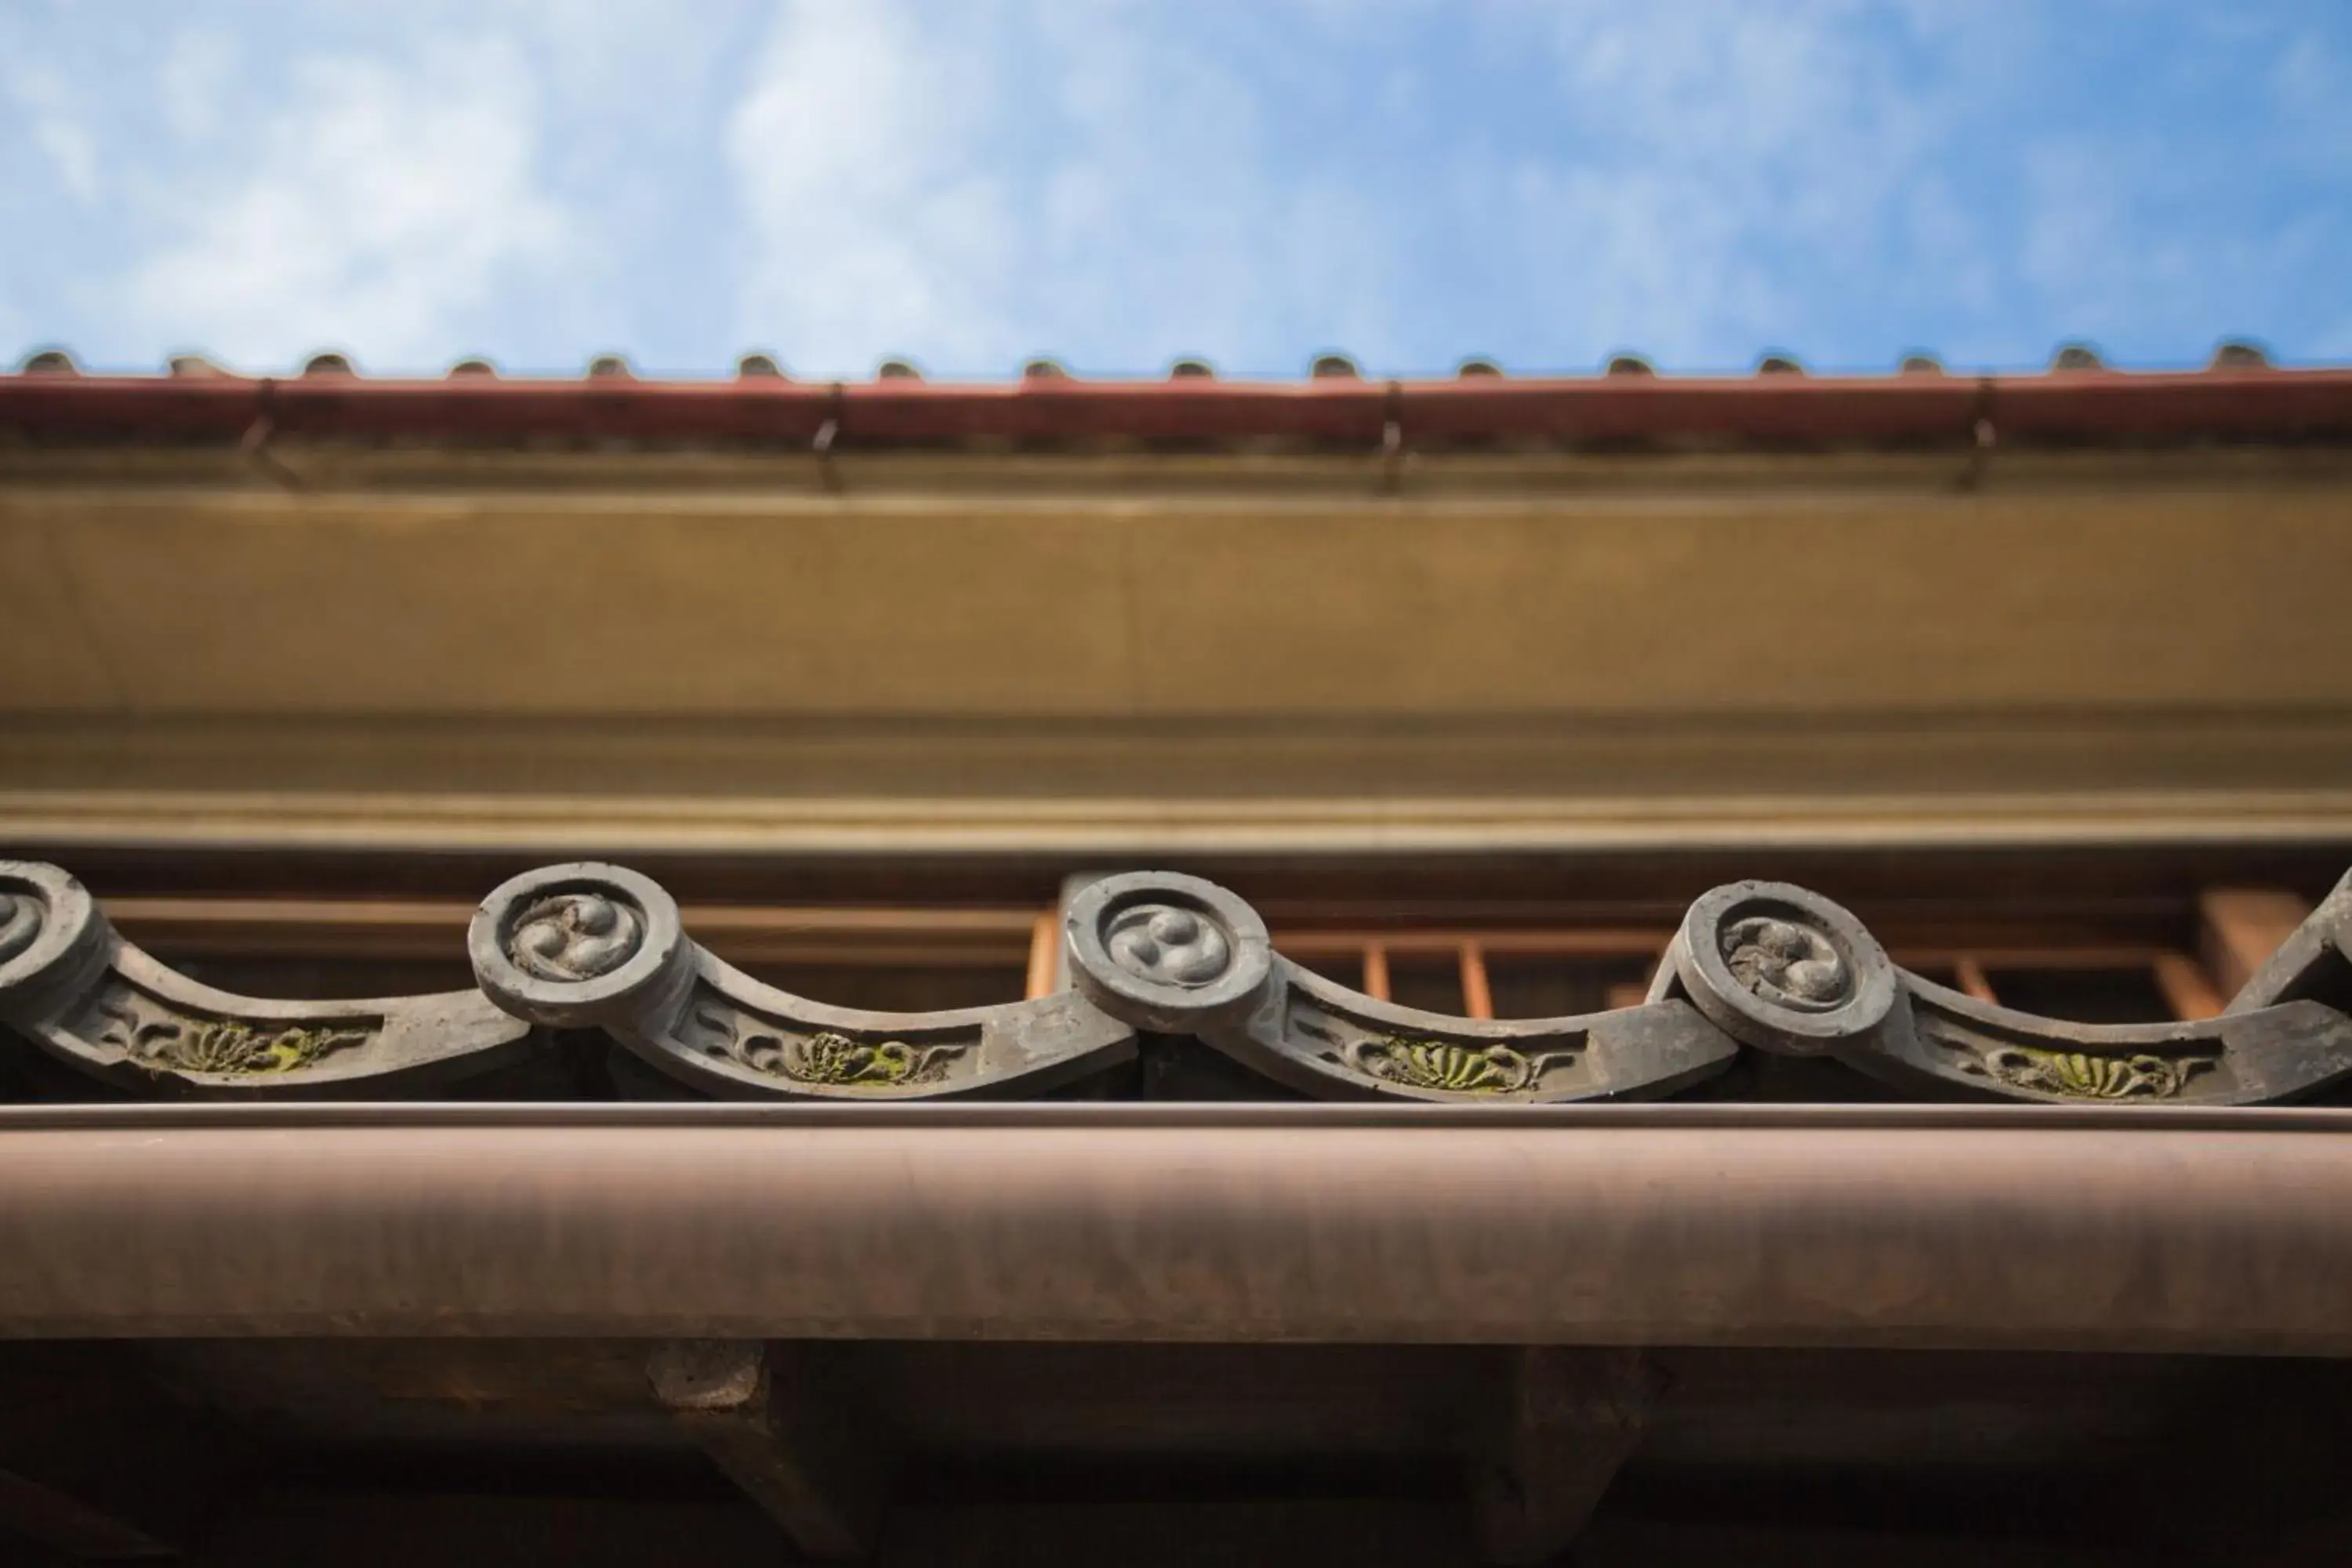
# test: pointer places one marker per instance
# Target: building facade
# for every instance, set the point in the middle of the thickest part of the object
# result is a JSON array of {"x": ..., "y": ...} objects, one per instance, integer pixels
[{"x": 1423, "y": 972}]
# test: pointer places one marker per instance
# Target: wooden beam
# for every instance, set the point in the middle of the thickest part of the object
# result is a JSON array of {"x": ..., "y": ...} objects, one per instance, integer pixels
[
  {"x": 1375, "y": 970},
  {"x": 2009, "y": 950},
  {"x": 359, "y": 927},
  {"x": 775, "y": 1423},
  {"x": 2242, "y": 928},
  {"x": 1568, "y": 1419},
  {"x": 2051, "y": 955},
  {"x": 1572, "y": 941},
  {"x": 407, "y": 929}
]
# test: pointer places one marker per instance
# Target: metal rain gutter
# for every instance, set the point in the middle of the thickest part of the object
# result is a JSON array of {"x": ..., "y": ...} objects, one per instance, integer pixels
[{"x": 1949, "y": 1226}]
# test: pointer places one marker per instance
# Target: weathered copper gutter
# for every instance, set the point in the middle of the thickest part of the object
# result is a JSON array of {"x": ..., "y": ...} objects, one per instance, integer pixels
[{"x": 2220, "y": 1231}]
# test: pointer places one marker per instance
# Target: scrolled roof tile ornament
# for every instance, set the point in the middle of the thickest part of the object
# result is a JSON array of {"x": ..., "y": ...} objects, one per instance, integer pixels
[
  {"x": 53, "y": 940},
  {"x": 2314, "y": 963},
  {"x": 1166, "y": 952},
  {"x": 1780, "y": 968},
  {"x": 1978, "y": 1048},
  {"x": 20, "y": 923},
  {"x": 93, "y": 1001},
  {"x": 1787, "y": 972},
  {"x": 580, "y": 944},
  {"x": 1179, "y": 955},
  {"x": 593, "y": 945}
]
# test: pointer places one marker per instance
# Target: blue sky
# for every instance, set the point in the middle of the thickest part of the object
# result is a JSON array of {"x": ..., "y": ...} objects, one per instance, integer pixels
[{"x": 969, "y": 183}]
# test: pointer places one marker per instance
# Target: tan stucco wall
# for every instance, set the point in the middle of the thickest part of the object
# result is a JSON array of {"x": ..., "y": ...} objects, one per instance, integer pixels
[{"x": 2180, "y": 628}]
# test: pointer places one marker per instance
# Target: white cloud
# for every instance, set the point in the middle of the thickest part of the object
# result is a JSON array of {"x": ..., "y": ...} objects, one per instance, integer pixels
[
  {"x": 60, "y": 129},
  {"x": 877, "y": 220},
  {"x": 983, "y": 185},
  {"x": 378, "y": 208},
  {"x": 1735, "y": 155},
  {"x": 196, "y": 84},
  {"x": 1027, "y": 178}
]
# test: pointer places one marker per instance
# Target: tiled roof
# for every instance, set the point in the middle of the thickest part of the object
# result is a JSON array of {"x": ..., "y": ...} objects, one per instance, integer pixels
[{"x": 2238, "y": 397}]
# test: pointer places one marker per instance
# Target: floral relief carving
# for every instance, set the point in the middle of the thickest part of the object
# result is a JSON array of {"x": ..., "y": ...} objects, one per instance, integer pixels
[
  {"x": 164, "y": 1041},
  {"x": 828, "y": 1059},
  {"x": 1454, "y": 1068},
  {"x": 2084, "y": 1075}
]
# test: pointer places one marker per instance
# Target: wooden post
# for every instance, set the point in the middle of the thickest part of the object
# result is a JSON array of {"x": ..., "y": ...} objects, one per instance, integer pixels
[
  {"x": 1568, "y": 1419},
  {"x": 778, "y": 1429},
  {"x": 2242, "y": 928},
  {"x": 1970, "y": 975},
  {"x": 2187, "y": 989},
  {"x": 1375, "y": 970},
  {"x": 1045, "y": 955},
  {"x": 1477, "y": 996},
  {"x": 1625, "y": 993}
]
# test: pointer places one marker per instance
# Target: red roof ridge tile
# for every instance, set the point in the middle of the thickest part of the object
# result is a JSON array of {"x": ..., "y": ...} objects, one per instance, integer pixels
[{"x": 2240, "y": 396}]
